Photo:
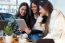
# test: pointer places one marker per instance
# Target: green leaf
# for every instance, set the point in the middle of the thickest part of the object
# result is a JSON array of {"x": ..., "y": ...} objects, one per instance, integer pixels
[{"x": 8, "y": 30}]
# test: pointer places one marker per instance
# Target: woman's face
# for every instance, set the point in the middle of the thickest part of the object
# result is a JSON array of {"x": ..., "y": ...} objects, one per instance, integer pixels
[
  {"x": 34, "y": 8},
  {"x": 23, "y": 10},
  {"x": 42, "y": 11}
]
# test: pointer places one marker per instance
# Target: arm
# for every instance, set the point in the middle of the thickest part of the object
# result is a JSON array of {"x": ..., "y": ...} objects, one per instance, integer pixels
[{"x": 38, "y": 25}]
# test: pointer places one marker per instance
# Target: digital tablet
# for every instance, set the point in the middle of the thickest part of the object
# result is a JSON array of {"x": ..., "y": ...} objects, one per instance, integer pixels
[{"x": 21, "y": 23}]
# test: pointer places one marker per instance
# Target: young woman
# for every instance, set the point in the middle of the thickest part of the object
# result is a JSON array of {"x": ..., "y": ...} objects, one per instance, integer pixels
[
  {"x": 36, "y": 33},
  {"x": 54, "y": 23},
  {"x": 34, "y": 8},
  {"x": 23, "y": 13}
]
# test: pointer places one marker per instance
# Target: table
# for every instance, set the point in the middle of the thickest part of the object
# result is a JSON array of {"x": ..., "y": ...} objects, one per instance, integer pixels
[{"x": 15, "y": 40}]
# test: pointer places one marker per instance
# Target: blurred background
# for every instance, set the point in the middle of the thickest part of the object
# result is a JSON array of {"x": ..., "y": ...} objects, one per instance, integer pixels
[{"x": 11, "y": 6}]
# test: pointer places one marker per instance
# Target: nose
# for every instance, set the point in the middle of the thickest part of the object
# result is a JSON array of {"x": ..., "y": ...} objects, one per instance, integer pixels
[
  {"x": 39, "y": 11},
  {"x": 23, "y": 11}
]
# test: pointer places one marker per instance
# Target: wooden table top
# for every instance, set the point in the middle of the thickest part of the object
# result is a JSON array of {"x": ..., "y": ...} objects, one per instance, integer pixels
[{"x": 15, "y": 40}]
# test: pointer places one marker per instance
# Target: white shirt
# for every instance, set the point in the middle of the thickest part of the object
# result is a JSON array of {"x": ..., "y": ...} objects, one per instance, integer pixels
[
  {"x": 38, "y": 25},
  {"x": 56, "y": 27}
]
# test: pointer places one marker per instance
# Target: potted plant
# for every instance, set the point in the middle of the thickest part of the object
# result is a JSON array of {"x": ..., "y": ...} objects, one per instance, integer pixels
[{"x": 8, "y": 34}]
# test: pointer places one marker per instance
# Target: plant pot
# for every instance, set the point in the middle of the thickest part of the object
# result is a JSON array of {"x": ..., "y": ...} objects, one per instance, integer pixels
[
  {"x": 23, "y": 40},
  {"x": 8, "y": 39}
]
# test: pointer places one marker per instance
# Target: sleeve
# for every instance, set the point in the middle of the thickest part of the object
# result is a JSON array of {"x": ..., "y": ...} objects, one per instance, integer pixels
[{"x": 38, "y": 25}]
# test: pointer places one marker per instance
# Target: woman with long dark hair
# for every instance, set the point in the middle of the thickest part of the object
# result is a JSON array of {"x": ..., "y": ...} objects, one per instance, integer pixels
[
  {"x": 36, "y": 32},
  {"x": 34, "y": 11},
  {"x": 23, "y": 13}
]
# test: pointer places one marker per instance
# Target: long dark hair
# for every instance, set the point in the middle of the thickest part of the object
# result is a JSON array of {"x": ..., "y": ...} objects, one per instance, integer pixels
[
  {"x": 36, "y": 3},
  {"x": 26, "y": 17},
  {"x": 27, "y": 10},
  {"x": 48, "y": 7}
]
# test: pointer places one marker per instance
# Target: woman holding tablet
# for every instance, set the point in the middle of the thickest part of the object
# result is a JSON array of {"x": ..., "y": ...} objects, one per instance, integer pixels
[{"x": 23, "y": 13}]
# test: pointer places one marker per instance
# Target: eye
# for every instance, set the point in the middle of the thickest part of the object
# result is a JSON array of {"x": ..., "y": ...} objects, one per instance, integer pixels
[{"x": 22, "y": 9}]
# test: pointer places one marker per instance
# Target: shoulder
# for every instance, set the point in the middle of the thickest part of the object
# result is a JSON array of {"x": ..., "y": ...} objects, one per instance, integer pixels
[
  {"x": 55, "y": 13},
  {"x": 57, "y": 19}
]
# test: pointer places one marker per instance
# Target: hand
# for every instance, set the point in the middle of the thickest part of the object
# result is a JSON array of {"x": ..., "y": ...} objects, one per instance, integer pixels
[
  {"x": 41, "y": 15},
  {"x": 27, "y": 30},
  {"x": 21, "y": 29},
  {"x": 45, "y": 14}
]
